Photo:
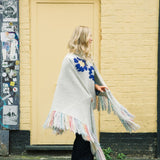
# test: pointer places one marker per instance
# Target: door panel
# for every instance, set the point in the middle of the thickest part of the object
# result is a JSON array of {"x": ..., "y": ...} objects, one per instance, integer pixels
[{"x": 52, "y": 23}]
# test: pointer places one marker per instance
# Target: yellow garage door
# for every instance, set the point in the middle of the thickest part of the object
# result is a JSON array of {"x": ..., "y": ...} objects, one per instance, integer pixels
[{"x": 52, "y": 23}]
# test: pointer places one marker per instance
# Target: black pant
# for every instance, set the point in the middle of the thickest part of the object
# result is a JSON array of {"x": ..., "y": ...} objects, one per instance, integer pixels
[{"x": 81, "y": 149}]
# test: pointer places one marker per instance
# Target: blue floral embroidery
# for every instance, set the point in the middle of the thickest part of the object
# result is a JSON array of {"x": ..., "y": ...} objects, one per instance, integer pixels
[
  {"x": 81, "y": 64},
  {"x": 91, "y": 74}
]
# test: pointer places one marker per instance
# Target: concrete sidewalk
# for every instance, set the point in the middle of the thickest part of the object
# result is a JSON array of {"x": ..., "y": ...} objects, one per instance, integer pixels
[{"x": 50, "y": 157}]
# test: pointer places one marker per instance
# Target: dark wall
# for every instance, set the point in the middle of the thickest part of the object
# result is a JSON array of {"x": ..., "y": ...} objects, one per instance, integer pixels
[
  {"x": 135, "y": 144},
  {"x": 18, "y": 140}
]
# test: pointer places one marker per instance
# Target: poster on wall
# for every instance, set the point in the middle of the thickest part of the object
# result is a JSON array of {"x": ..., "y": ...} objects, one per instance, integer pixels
[
  {"x": 10, "y": 64},
  {"x": 10, "y": 12},
  {"x": 10, "y": 114}
]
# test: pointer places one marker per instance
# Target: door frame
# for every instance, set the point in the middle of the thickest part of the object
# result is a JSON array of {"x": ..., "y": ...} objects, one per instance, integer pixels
[{"x": 96, "y": 55}]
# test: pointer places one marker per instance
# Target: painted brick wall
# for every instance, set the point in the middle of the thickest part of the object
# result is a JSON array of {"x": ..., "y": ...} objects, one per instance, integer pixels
[
  {"x": 25, "y": 65},
  {"x": 129, "y": 60}
]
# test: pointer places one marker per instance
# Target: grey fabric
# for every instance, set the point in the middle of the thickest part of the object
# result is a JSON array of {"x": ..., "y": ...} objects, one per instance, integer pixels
[{"x": 72, "y": 106}]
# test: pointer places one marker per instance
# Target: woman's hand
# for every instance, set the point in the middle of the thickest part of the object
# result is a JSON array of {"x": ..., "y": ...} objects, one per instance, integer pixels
[{"x": 100, "y": 88}]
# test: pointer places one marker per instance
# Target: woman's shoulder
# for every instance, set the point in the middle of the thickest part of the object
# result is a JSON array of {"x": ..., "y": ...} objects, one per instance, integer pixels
[
  {"x": 68, "y": 58},
  {"x": 69, "y": 55},
  {"x": 75, "y": 57}
]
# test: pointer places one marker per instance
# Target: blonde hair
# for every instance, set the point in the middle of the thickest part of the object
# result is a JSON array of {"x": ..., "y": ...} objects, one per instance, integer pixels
[{"x": 79, "y": 42}]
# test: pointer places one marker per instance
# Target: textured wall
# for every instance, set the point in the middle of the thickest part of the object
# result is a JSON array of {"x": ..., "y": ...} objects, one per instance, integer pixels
[
  {"x": 25, "y": 63},
  {"x": 129, "y": 60}
]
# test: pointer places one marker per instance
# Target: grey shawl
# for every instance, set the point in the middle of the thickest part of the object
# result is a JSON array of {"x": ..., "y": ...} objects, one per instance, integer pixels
[{"x": 75, "y": 98}]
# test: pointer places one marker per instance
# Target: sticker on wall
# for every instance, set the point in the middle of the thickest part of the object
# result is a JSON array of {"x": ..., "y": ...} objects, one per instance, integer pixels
[
  {"x": 6, "y": 51},
  {"x": 9, "y": 27},
  {"x": 6, "y": 97},
  {"x": 5, "y": 88},
  {"x": 6, "y": 79},
  {"x": 15, "y": 89},
  {"x": 10, "y": 46},
  {"x": 10, "y": 10},
  {"x": 4, "y": 64},
  {"x": 12, "y": 83},
  {"x": 10, "y": 114},
  {"x": 8, "y": 70},
  {"x": 12, "y": 73},
  {"x": 16, "y": 67},
  {"x": 10, "y": 64},
  {"x": 14, "y": 79},
  {"x": 4, "y": 74},
  {"x": 10, "y": 100}
]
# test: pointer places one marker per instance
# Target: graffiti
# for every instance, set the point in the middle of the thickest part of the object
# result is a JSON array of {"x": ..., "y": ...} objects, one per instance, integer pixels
[{"x": 10, "y": 65}]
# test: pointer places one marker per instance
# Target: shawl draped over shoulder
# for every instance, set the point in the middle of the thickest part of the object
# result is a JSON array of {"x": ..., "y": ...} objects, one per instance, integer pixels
[{"x": 75, "y": 98}]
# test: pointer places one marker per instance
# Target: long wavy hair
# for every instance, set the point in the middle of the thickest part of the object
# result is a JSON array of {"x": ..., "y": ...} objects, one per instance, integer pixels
[{"x": 79, "y": 42}]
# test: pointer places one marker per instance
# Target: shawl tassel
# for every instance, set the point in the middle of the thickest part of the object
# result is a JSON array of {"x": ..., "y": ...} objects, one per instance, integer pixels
[{"x": 109, "y": 103}]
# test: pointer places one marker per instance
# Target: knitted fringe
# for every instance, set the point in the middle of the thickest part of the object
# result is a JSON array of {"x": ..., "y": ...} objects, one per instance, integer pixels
[
  {"x": 60, "y": 122},
  {"x": 99, "y": 153},
  {"x": 110, "y": 103}
]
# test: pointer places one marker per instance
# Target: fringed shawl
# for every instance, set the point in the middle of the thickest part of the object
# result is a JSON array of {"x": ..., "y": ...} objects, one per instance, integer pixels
[{"x": 75, "y": 98}]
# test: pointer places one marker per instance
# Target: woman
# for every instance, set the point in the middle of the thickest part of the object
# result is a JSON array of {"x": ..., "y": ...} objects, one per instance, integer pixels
[
  {"x": 80, "y": 89},
  {"x": 80, "y": 42}
]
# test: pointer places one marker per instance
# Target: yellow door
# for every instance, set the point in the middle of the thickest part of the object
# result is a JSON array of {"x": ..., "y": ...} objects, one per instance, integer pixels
[{"x": 52, "y": 23}]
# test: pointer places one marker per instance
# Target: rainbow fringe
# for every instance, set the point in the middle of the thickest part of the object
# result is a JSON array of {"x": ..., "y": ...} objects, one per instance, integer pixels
[{"x": 60, "y": 122}]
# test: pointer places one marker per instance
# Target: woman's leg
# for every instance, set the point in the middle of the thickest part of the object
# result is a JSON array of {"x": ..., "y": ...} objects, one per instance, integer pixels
[{"x": 81, "y": 149}]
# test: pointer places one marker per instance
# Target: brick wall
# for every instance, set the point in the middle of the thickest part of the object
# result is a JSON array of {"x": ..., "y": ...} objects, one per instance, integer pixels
[
  {"x": 25, "y": 65},
  {"x": 129, "y": 60}
]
